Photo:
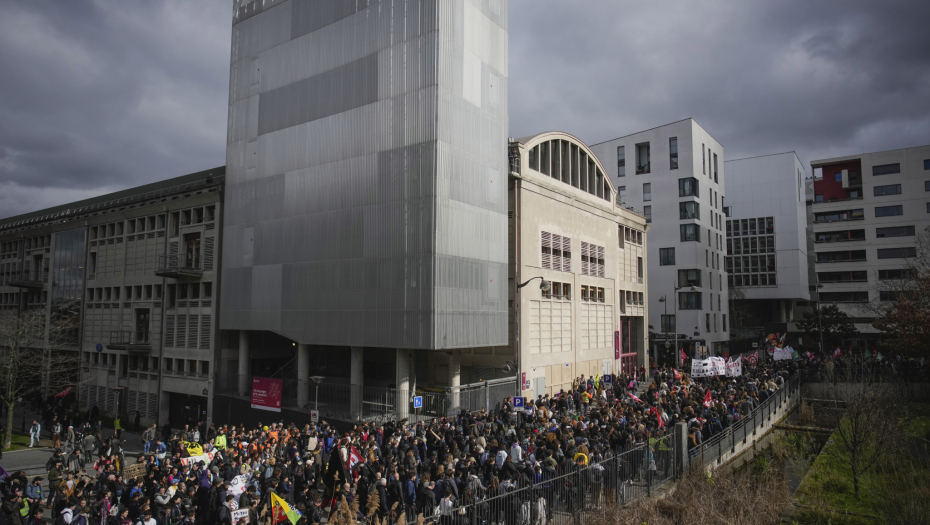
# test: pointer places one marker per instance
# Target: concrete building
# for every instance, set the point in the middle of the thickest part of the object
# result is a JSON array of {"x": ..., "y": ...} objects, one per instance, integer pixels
[
  {"x": 767, "y": 257},
  {"x": 366, "y": 189},
  {"x": 675, "y": 175},
  {"x": 868, "y": 209},
  {"x": 567, "y": 229},
  {"x": 139, "y": 270}
]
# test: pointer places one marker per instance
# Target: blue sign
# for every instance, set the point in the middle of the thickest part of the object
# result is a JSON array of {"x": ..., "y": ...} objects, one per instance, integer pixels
[
  {"x": 99, "y": 347},
  {"x": 607, "y": 378},
  {"x": 518, "y": 402},
  {"x": 418, "y": 402}
]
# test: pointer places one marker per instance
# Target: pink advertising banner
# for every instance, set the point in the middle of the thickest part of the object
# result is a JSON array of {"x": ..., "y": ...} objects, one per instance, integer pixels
[{"x": 266, "y": 393}]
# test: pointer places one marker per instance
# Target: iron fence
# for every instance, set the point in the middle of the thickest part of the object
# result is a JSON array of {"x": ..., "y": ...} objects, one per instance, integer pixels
[
  {"x": 711, "y": 451},
  {"x": 568, "y": 496}
]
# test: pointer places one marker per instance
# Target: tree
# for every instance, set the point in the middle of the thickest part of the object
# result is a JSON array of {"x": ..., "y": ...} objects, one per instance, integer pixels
[
  {"x": 906, "y": 318},
  {"x": 873, "y": 423},
  {"x": 836, "y": 326},
  {"x": 27, "y": 365}
]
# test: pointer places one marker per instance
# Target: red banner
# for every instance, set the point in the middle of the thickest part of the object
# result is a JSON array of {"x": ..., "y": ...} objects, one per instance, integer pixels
[{"x": 266, "y": 393}]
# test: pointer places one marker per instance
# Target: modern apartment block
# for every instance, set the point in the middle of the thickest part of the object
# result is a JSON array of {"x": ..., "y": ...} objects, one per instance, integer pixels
[
  {"x": 868, "y": 209},
  {"x": 366, "y": 187},
  {"x": 766, "y": 236},
  {"x": 139, "y": 271},
  {"x": 675, "y": 175}
]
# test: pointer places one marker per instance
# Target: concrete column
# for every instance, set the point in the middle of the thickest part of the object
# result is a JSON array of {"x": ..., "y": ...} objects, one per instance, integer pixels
[
  {"x": 681, "y": 433},
  {"x": 303, "y": 375},
  {"x": 402, "y": 382},
  {"x": 455, "y": 376},
  {"x": 357, "y": 381},
  {"x": 244, "y": 379}
]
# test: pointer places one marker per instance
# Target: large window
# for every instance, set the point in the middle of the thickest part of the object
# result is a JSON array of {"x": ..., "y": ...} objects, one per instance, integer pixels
[
  {"x": 690, "y": 232},
  {"x": 715, "y": 167},
  {"x": 843, "y": 256},
  {"x": 689, "y": 301},
  {"x": 688, "y": 187},
  {"x": 673, "y": 153},
  {"x": 668, "y": 323},
  {"x": 895, "y": 274},
  {"x": 886, "y": 169},
  {"x": 844, "y": 297},
  {"x": 897, "y": 253},
  {"x": 592, "y": 260},
  {"x": 841, "y": 236},
  {"x": 689, "y": 278},
  {"x": 703, "y": 160},
  {"x": 621, "y": 193},
  {"x": 647, "y": 212},
  {"x": 621, "y": 161},
  {"x": 836, "y": 216},
  {"x": 642, "y": 158},
  {"x": 68, "y": 289},
  {"x": 896, "y": 231},
  {"x": 858, "y": 276},
  {"x": 889, "y": 189},
  {"x": 666, "y": 256},
  {"x": 889, "y": 211},
  {"x": 647, "y": 191},
  {"x": 556, "y": 252},
  {"x": 689, "y": 210}
]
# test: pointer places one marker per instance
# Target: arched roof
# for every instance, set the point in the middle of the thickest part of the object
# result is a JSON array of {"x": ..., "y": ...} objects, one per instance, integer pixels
[{"x": 528, "y": 143}]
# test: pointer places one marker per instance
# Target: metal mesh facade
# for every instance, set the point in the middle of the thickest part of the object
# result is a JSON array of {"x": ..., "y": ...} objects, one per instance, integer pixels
[{"x": 366, "y": 172}]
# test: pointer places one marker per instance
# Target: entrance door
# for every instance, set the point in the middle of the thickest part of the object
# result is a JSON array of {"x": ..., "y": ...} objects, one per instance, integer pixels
[
  {"x": 186, "y": 410},
  {"x": 192, "y": 250}
]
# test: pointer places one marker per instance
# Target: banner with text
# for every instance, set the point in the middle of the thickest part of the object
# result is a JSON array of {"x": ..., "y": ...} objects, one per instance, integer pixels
[{"x": 266, "y": 393}]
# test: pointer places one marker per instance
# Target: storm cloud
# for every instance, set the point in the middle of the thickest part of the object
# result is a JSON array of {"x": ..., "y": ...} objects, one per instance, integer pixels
[{"x": 102, "y": 95}]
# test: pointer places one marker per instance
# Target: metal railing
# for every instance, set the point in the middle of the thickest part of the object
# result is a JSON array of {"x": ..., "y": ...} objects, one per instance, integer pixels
[
  {"x": 744, "y": 431},
  {"x": 174, "y": 263}
]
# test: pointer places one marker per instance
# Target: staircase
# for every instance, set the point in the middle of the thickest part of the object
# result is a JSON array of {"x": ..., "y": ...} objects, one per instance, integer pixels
[{"x": 643, "y": 386}]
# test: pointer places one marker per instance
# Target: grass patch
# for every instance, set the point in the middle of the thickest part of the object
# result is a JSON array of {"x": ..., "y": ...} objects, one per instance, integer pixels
[{"x": 19, "y": 441}]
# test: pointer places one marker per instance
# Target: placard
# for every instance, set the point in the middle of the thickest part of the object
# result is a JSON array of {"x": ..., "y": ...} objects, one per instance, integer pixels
[
  {"x": 266, "y": 393},
  {"x": 134, "y": 471},
  {"x": 240, "y": 517}
]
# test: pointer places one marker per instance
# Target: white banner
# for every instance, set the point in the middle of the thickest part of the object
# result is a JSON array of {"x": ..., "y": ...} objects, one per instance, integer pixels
[
  {"x": 719, "y": 366},
  {"x": 238, "y": 484},
  {"x": 207, "y": 457},
  {"x": 735, "y": 367},
  {"x": 782, "y": 353},
  {"x": 702, "y": 368}
]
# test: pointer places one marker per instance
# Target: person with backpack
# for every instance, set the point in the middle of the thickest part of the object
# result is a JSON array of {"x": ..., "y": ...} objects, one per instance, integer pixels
[{"x": 66, "y": 516}]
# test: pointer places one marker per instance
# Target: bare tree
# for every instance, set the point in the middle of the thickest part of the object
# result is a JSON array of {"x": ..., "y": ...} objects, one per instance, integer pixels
[
  {"x": 904, "y": 312},
  {"x": 27, "y": 363},
  {"x": 872, "y": 424}
]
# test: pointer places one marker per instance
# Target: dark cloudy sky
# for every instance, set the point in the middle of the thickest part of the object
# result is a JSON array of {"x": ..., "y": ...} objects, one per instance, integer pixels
[{"x": 101, "y": 95}]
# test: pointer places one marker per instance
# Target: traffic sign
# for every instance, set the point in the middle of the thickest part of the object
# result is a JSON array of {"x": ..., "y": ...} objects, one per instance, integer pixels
[
  {"x": 99, "y": 347},
  {"x": 518, "y": 404},
  {"x": 607, "y": 378},
  {"x": 418, "y": 402},
  {"x": 314, "y": 416}
]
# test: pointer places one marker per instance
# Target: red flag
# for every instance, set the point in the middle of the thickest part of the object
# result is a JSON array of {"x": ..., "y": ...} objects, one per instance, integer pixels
[
  {"x": 638, "y": 400},
  {"x": 354, "y": 458},
  {"x": 655, "y": 412},
  {"x": 707, "y": 400},
  {"x": 726, "y": 354},
  {"x": 683, "y": 355},
  {"x": 676, "y": 373},
  {"x": 874, "y": 353},
  {"x": 837, "y": 352}
]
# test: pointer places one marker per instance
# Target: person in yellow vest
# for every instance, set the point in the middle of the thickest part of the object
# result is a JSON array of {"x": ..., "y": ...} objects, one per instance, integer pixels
[
  {"x": 220, "y": 441},
  {"x": 117, "y": 427}
]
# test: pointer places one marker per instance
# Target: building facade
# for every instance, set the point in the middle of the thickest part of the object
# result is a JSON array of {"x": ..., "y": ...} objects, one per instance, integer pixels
[
  {"x": 868, "y": 210},
  {"x": 767, "y": 257},
  {"x": 139, "y": 270},
  {"x": 675, "y": 175}
]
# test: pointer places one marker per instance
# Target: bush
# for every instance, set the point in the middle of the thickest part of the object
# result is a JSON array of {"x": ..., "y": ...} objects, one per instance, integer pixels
[
  {"x": 836, "y": 485},
  {"x": 812, "y": 516}
]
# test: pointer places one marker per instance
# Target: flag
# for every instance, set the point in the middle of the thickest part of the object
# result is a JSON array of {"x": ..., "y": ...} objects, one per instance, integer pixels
[
  {"x": 809, "y": 355},
  {"x": 638, "y": 400},
  {"x": 354, "y": 458},
  {"x": 63, "y": 393},
  {"x": 726, "y": 354},
  {"x": 282, "y": 510},
  {"x": 874, "y": 352},
  {"x": 837, "y": 352},
  {"x": 683, "y": 355},
  {"x": 707, "y": 400},
  {"x": 655, "y": 412},
  {"x": 676, "y": 373}
]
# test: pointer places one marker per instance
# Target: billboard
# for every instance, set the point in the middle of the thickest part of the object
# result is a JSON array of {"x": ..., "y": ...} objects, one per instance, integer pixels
[{"x": 266, "y": 393}]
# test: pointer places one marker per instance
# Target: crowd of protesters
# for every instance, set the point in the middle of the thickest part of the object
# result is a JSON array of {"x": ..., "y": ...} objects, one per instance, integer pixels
[{"x": 201, "y": 475}]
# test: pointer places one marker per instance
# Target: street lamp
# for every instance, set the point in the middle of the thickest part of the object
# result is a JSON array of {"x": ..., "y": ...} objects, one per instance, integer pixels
[
  {"x": 690, "y": 288},
  {"x": 544, "y": 286},
  {"x": 316, "y": 395}
]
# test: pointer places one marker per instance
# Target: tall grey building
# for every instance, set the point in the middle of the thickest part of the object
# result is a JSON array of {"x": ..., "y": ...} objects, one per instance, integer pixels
[{"x": 366, "y": 162}]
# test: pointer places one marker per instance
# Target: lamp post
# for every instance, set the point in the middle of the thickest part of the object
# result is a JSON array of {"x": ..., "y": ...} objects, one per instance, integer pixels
[
  {"x": 545, "y": 286},
  {"x": 690, "y": 289}
]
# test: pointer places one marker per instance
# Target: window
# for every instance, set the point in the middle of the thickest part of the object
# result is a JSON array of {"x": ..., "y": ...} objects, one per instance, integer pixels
[
  {"x": 666, "y": 256},
  {"x": 207, "y": 290},
  {"x": 668, "y": 323},
  {"x": 647, "y": 211},
  {"x": 556, "y": 252},
  {"x": 558, "y": 291},
  {"x": 857, "y": 214},
  {"x": 689, "y": 278},
  {"x": 689, "y": 301},
  {"x": 886, "y": 169},
  {"x": 927, "y": 164},
  {"x": 859, "y": 276},
  {"x": 688, "y": 187},
  {"x": 888, "y": 295},
  {"x": 841, "y": 236},
  {"x": 621, "y": 193},
  {"x": 673, "y": 153},
  {"x": 639, "y": 268},
  {"x": 838, "y": 176},
  {"x": 715, "y": 172},
  {"x": 844, "y": 297},
  {"x": 844, "y": 256},
  {"x": 642, "y": 158},
  {"x": 897, "y": 231},
  {"x": 890, "y": 189},
  {"x": 703, "y": 161},
  {"x": 690, "y": 232},
  {"x": 818, "y": 198},
  {"x": 621, "y": 162},
  {"x": 584, "y": 293},
  {"x": 926, "y": 184},
  {"x": 888, "y": 211},
  {"x": 707, "y": 324},
  {"x": 724, "y": 322},
  {"x": 592, "y": 260},
  {"x": 897, "y": 253},
  {"x": 894, "y": 275},
  {"x": 689, "y": 210},
  {"x": 647, "y": 191}
]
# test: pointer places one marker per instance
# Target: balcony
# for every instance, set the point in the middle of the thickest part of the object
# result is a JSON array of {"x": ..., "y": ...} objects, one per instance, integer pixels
[
  {"x": 26, "y": 279},
  {"x": 137, "y": 342},
  {"x": 179, "y": 267}
]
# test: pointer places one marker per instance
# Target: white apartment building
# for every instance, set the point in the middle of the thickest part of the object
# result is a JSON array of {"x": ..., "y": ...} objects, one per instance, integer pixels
[
  {"x": 868, "y": 209},
  {"x": 675, "y": 175},
  {"x": 766, "y": 230}
]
